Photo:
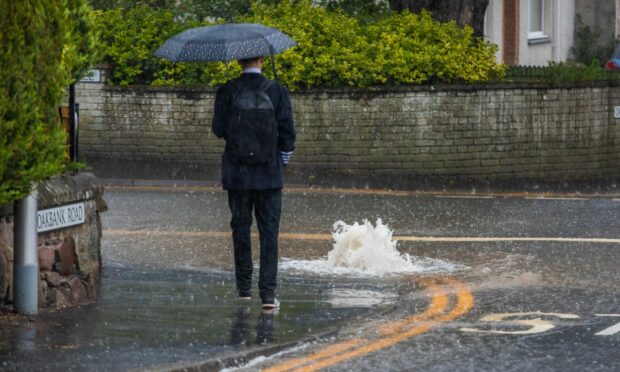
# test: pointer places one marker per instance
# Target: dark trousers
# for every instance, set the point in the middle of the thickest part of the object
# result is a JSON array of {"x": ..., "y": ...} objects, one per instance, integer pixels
[{"x": 267, "y": 205}]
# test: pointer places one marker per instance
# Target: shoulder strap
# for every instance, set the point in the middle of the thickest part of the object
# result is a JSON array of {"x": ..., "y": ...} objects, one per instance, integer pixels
[{"x": 266, "y": 84}]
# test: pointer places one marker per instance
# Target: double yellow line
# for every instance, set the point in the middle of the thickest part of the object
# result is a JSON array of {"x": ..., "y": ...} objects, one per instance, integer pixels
[{"x": 390, "y": 333}]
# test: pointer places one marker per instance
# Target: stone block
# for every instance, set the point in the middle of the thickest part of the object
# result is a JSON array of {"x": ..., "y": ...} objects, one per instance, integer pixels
[
  {"x": 58, "y": 297},
  {"x": 46, "y": 258},
  {"x": 79, "y": 294},
  {"x": 43, "y": 289},
  {"x": 67, "y": 256},
  {"x": 52, "y": 278}
]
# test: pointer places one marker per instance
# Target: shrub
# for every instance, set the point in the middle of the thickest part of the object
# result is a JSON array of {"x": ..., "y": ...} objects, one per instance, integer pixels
[
  {"x": 401, "y": 48},
  {"x": 413, "y": 48},
  {"x": 38, "y": 55},
  {"x": 129, "y": 38},
  {"x": 334, "y": 49},
  {"x": 558, "y": 72}
]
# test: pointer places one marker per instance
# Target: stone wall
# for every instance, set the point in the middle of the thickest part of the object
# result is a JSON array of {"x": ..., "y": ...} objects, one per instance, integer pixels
[
  {"x": 69, "y": 258},
  {"x": 384, "y": 136}
]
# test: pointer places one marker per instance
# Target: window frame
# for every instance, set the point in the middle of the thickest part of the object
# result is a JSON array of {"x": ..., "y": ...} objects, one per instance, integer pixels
[{"x": 537, "y": 35}]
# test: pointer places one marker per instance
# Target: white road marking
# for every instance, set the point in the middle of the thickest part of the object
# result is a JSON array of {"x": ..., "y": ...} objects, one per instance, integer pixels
[
  {"x": 611, "y": 330},
  {"x": 536, "y": 325}
]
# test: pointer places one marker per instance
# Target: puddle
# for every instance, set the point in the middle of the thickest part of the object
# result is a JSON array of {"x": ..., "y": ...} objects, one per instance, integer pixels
[{"x": 148, "y": 317}]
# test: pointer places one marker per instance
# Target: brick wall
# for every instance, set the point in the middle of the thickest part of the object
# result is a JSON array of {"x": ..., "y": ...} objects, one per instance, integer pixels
[{"x": 450, "y": 133}]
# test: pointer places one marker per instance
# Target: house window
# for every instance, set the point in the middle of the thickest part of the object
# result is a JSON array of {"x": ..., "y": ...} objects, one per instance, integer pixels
[{"x": 537, "y": 20}]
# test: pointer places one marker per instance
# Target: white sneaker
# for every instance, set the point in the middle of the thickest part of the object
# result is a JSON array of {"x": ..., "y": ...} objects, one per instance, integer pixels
[{"x": 269, "y": 305}]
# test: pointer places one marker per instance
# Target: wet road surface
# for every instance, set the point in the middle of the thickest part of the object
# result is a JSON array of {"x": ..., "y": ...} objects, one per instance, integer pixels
[
  {"x": 533, "y": 285},
  {"x": 148, "y": 318}
]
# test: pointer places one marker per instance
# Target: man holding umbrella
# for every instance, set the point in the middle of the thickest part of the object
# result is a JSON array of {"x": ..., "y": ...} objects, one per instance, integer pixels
[{"x": 254, "y": 116}]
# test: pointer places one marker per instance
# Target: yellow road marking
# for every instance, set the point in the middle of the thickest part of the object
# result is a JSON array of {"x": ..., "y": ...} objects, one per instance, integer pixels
[
  {"x": 326, "y": 352},
  {"x": 328, "y": 237},
  {"x": 433, "y": 314},
  {"x": 439, "y": 303},
  {"x": 164, "y": 188},
  {"x": 313, "y": 190}
]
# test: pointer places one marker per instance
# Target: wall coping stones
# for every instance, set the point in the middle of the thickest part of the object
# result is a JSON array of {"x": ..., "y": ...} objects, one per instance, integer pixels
[
  {"x": 68, "y": 188},
  {"x": 378, "y": 90}
]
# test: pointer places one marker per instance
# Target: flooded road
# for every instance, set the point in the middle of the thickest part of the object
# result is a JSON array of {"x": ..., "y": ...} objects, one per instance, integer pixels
[
  {"x": 502, "y": 282},
  {"x": 147, "y": 318}
]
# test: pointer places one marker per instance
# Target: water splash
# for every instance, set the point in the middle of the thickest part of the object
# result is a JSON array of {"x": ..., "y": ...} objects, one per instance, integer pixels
[{"x": 364, "y": 249}]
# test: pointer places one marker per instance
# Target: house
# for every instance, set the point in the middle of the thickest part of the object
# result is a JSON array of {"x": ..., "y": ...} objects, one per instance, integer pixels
[{"x": 536, "y": 32}]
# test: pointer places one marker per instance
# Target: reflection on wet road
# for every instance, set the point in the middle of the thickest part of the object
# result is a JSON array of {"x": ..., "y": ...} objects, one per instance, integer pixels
[
  {"x": 525, "y": 255},
  {"x": 152, "y": 317},
  {"x": 390, "y": 332}
]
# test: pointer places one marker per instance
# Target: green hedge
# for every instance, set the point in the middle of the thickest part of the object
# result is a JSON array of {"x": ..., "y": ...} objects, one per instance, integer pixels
[
  {"x": 334, "y": 49},
  {"x": 42, "y": 46},
  {"x": 560, "y": 72}
]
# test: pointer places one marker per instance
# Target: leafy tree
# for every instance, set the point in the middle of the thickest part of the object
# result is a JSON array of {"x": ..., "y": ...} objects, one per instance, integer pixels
[
  {"x": 184, "y": 10},
  {"x": 128, "y": 4},
  {"x": 464, "y": 12},
  {"x": 365, "y": 10},
  {"x": 80, "y": 48},
  {"x": 39, "y": 53}
]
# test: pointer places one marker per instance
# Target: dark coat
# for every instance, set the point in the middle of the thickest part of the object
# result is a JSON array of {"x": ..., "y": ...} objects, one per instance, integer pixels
[{"x": 254, "y": 177}]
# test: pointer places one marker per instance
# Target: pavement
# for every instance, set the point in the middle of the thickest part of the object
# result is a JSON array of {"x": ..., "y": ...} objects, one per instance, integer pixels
[{"x": 505, "y": 281}]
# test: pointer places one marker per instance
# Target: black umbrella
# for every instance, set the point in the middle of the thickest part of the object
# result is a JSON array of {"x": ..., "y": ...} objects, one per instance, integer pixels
[{"x": 225, "y": 43}]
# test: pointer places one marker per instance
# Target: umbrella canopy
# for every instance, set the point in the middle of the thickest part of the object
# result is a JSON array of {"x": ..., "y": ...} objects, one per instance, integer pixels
[{"x": 224, "y": 43}]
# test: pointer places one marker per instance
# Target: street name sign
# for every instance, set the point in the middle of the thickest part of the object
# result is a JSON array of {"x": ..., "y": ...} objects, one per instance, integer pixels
[
  {"x": 59, "y": 217},
  {"x": 93, "y": 76}
]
